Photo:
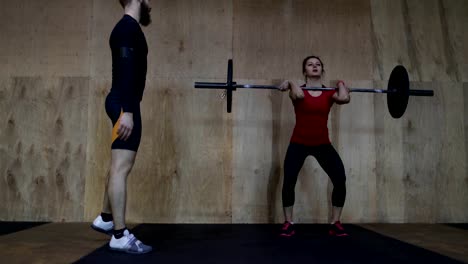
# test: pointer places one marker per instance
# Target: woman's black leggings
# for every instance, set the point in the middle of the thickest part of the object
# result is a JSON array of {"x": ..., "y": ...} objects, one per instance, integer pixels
[{"x": 328, "y": 159}]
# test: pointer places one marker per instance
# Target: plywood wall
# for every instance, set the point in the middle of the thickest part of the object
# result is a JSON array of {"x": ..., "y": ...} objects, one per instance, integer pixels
[
  {"x": 199, "y": 164},
  {"x": 43, "y": 148}
]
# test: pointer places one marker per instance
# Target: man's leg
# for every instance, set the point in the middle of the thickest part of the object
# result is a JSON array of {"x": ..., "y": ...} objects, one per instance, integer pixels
[
  {"x": 121, "y": 165},
  {"x": 104, "y": 222},
  {"x": 122, "y": 239},
  {"x": 113, "y": 210},
  {"x": 106, "y": 207}
]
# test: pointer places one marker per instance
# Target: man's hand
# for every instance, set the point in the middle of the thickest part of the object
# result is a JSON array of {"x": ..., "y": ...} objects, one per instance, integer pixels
[{"x": 126, "y": 126}]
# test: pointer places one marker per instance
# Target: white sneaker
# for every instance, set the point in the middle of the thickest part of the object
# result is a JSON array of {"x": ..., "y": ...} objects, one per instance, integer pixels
[
  {"x": 129, "y": 244},
  {"x": 101, "y": 226}
]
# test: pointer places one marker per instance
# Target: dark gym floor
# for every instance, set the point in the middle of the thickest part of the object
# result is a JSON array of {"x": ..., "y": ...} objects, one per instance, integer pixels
[{"x": 237, "y": 243}]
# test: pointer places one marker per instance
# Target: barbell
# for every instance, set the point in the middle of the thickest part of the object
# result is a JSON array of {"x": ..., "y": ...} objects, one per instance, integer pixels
[{"x": 398, "y": 90}]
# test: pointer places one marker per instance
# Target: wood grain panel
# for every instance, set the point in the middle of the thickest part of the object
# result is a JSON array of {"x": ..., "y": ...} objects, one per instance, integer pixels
[
  {"x": 45, "y": 147},
  {"x": 272, "y": 37}
]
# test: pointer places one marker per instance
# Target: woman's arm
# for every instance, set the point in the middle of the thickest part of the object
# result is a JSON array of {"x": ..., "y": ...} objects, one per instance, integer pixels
[
  {"x": 342, "y": 95},
  {"x": 295, "y": 92}
]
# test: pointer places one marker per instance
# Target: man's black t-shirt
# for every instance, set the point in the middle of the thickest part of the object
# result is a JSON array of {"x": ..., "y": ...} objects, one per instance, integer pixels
[{"x": 129, "y": 62}]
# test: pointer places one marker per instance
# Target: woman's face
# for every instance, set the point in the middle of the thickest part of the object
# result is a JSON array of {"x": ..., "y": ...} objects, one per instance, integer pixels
[{"x": 313, "y": 68}]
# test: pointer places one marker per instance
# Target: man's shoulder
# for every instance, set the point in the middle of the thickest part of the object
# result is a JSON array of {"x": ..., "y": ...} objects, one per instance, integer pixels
[{"x": 126, "y": 24}]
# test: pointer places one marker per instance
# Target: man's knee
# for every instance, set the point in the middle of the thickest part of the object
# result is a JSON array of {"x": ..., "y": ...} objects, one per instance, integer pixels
[{"x": 122, "y": 162}]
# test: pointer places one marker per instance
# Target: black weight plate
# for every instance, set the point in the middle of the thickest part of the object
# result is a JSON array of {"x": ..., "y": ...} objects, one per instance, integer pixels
[
  {"x": 229, "y": 85},
  {"x": 398, "y": 91}
]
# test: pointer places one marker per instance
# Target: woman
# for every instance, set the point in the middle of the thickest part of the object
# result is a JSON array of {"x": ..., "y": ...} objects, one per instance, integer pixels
[{"x": 310, "y": 137}]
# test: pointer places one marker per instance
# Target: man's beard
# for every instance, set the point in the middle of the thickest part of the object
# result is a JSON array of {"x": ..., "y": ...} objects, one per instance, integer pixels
[{"x": 145, "y": 16}]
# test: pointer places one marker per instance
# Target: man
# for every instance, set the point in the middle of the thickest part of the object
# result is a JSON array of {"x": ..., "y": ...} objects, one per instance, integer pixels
[{"x": 129, "y": 66}]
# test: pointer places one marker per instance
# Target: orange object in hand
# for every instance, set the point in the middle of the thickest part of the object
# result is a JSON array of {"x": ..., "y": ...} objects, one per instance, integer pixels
[{"x": 115, "y": 135}]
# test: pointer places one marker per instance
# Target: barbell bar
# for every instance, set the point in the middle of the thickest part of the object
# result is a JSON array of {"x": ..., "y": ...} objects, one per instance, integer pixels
[{"x": 397, "y": 91}]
